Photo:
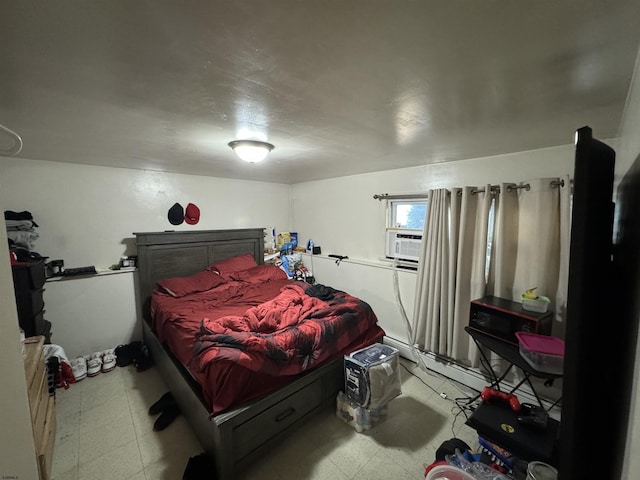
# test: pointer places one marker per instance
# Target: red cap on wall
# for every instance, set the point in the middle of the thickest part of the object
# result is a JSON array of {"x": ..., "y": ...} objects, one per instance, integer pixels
[{"x": 192, "y": 214}]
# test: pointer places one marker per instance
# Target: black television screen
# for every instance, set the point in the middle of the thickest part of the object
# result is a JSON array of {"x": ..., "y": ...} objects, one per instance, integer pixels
[{"x": 592, "y": 414}]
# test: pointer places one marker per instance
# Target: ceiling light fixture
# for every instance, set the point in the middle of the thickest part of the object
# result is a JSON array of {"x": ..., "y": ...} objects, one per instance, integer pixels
[{"x": 252, "y": 151}]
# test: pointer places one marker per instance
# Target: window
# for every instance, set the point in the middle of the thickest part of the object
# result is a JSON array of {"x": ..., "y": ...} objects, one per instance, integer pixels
[
  {"x": 405, "y": 225},
  {"x": 407, "y": 214}
]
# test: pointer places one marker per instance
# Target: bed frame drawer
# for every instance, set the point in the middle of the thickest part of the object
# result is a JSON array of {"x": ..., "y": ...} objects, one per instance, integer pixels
[{"x": 261, "y": 428}]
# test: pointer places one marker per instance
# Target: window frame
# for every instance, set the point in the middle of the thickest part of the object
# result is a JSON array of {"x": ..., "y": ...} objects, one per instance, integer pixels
[
  {"x": 393, "y": 226},
  {"x": 392, "y": 208}
]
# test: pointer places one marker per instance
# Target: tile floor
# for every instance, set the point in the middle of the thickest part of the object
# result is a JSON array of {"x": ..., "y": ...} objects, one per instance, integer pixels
[{"x": 105, "y": 432}]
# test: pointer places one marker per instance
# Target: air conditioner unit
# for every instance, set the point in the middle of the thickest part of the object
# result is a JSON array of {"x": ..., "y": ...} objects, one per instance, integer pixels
[{"x": 404, "y": 244}]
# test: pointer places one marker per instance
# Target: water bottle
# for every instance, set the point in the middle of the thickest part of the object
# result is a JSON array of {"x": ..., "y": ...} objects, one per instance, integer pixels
[
  {"x": 374, "y": 414},
  {"x": 359, "y": 419},
  {"x": 341, "y": 400},
  {"x": 367, "y": 419}
]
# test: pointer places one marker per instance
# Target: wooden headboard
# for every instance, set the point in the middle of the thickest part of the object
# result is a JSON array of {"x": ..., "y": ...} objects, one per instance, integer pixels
[{"x": 177, "y": 254}]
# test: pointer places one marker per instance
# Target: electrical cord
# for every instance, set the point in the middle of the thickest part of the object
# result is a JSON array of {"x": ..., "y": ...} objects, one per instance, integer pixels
[
  {"x": 17, "y": 139},
  {"x": 459, "y": 408},
  {"x": 462, "y": 408},
  {"x": 414, "y": 347}
]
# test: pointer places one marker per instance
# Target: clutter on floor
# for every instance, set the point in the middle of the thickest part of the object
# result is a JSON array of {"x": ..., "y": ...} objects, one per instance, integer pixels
[
  {"x": 65, "y": 372},
  {"x": 372, "y": 380},
  {"x": 455, "y": 459},
  {"x": 515, "y": 441},
  {"x": 135, "y": 353},
  {"x": 58, "y": 364}
]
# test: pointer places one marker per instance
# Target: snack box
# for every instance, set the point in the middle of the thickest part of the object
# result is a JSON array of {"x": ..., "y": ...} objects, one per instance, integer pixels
[{"x": 543, "y": 352}]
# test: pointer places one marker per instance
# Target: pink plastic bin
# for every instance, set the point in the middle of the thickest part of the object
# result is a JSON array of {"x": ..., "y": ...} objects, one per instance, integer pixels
[{"x": 542, "y": 352}]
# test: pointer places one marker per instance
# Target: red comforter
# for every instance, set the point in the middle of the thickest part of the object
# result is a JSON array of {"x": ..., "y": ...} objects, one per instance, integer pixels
[
  {"x": 301, "y": 327},
  {"x": 248, "y": 337}
]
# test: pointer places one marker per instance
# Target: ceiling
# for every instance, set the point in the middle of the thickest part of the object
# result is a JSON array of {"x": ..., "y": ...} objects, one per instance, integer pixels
[{"x": 339, "y": 87}]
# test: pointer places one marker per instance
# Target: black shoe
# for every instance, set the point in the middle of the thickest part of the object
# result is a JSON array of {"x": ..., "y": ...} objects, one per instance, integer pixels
[
  {"x": 165, "y": 401},
  {"x": 168, "y": 415},
  {"x": 200, "y": 467},
  {"x": 123, "y": 355},
  {"x": 140, "y": 356}
]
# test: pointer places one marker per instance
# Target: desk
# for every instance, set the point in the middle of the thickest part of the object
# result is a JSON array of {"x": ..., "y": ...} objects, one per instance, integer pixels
[{"x": 511, "y": 353}]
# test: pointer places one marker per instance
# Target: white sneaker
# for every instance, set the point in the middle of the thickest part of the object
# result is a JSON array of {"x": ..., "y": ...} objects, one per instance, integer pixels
[
  {"x": 108, "y": 360},
  {"x": 79, "y": 368},
  {"x": 94, "y": 364}
]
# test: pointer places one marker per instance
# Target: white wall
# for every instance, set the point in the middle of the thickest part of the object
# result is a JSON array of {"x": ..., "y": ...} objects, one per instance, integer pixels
[
  {"x": 87, "y": 215},
  {"x": 342, "y": 217},
  {"x": 91, "y": 314}
]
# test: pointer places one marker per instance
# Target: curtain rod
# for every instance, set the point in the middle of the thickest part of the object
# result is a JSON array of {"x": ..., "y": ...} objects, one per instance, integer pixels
[
  {"x": 494, "y": 189},
  {"x": 386, "y": 196}
]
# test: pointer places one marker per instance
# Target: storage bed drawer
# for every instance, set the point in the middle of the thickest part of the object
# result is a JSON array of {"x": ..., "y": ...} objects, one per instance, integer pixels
[{"x": 259, "y": 429}]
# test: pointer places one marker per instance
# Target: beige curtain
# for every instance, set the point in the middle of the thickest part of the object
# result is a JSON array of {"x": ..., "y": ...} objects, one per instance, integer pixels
[
  {"x": 560, "y": 308},
  {"x": 527, "y": 240},
  {"x": 430, "y": 333},
  {"x": 452, "y": 270},
  {"x": 529, "y": 248}
]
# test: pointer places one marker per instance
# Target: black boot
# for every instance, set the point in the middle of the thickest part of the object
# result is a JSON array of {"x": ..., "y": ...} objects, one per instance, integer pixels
[
  {"x": 167, "y": 416},
  {"x": 165, "y": 401}
]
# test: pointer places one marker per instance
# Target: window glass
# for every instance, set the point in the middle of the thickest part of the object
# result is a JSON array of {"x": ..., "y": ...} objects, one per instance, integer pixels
[{"x": 409, "y": 214}]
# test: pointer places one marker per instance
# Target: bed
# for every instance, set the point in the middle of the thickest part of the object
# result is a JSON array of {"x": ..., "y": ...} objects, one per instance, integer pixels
[{"x": 248, "y": 353}]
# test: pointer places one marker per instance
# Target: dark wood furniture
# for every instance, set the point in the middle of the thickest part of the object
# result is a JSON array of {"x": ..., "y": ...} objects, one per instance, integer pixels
[
  {"x": 237, "y": 437},
  {"x": 28, "y": 283}
]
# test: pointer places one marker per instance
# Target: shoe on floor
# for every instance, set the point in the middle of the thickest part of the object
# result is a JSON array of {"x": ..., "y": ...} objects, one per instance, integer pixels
[
  {"x": 94, "y": 364},
  {"x": 168, "y": 415},
  {"x": 123, "y": 355},
  {"x": 79, "y": 368},
  {"x": 199, "y": 467},
  {"x": 108, "y": 360},
  {"x": 140, "y": 356},
  {"x": 165, "y": 401}
]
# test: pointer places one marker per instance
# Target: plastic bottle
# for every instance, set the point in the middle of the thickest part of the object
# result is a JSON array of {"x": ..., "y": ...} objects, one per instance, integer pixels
[
  {"x": 359, "y": 419},
  {"x": 367, "y": 418},
  {"x": 272, "y": 242},
  {"x": 341, "y": 400},
  {"x": 374, "y": 414}
]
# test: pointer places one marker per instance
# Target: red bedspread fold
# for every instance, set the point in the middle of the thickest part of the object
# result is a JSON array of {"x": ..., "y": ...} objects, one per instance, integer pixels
[{"x": 288, "y": 334}]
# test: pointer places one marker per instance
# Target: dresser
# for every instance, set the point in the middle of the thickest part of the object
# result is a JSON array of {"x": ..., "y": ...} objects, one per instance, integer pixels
[
  {"x": 28, "y": 283},
  {"x": 41, "y": 404}
]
